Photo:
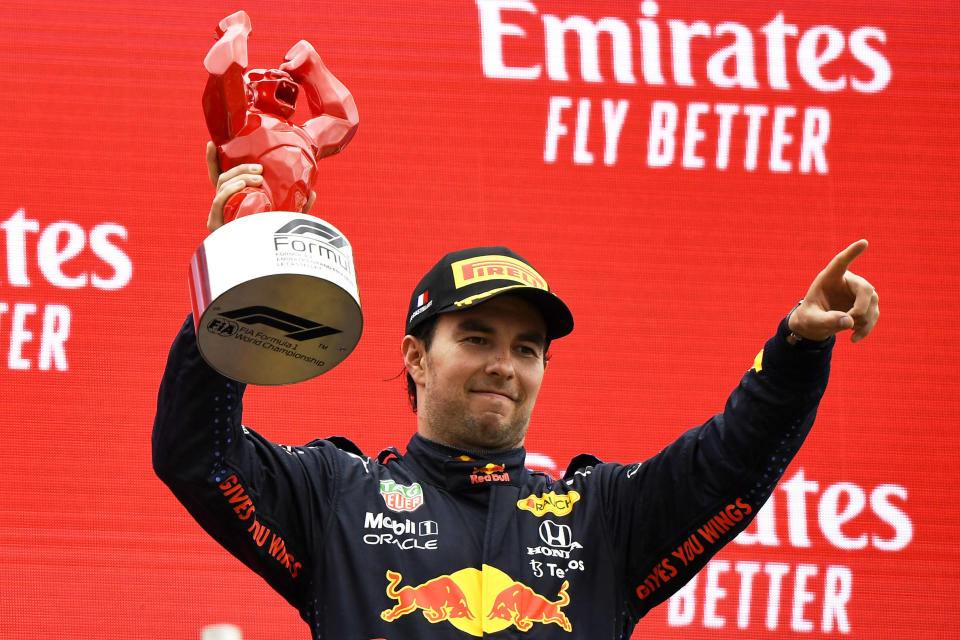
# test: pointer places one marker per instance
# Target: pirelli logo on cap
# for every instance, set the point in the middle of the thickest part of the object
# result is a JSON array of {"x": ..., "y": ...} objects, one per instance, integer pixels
[{"x": 494, "y": 267}]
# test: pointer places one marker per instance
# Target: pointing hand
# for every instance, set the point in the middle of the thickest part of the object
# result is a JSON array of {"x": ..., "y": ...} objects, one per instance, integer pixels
[{"x": 838, "y": 300}]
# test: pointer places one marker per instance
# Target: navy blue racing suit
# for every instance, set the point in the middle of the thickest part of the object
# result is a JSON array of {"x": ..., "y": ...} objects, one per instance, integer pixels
[{"x": 444, "y": 543}]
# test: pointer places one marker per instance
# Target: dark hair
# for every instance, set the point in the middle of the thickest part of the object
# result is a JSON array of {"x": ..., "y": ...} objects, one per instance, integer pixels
[{"x": 425, "y": 332}]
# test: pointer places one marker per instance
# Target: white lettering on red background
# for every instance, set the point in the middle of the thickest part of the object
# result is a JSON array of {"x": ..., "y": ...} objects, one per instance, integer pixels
[
  {"x": 812, "y": 597},
  {"x": 36, "y": 333},
  {"x": 791, "y": 137}
]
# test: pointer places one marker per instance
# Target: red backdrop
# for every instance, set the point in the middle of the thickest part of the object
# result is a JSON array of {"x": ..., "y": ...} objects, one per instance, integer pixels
[{"x": 679, "y": 184}]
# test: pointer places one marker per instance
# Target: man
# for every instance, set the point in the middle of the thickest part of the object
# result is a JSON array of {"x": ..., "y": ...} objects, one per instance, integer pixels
[{"x": 455, "y": 538}]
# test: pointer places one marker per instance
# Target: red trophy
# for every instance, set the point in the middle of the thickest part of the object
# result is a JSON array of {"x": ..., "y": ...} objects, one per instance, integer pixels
[{"x": 274, "y": 290}]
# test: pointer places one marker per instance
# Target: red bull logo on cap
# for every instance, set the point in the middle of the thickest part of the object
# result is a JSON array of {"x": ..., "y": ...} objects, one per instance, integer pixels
[{"x": 477, "y": 602}]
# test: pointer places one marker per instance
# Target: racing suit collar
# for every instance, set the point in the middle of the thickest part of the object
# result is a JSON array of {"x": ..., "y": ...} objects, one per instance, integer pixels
[{"x": 462, "y": 470}]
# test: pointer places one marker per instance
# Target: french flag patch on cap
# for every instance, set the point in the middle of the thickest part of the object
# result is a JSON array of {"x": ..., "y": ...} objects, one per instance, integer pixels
[{"x": 422, "y": 299}]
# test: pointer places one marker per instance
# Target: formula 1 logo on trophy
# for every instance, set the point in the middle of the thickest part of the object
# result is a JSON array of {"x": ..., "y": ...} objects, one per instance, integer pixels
[{"x": 274, "y": 290}]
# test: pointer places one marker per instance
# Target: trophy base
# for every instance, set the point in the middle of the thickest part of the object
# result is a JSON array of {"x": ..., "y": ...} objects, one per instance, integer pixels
[{"x": 275, "y": 298}]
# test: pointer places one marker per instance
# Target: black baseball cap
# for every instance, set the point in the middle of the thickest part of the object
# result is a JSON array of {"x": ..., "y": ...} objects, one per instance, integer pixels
[{"x": 469, "y": 277}]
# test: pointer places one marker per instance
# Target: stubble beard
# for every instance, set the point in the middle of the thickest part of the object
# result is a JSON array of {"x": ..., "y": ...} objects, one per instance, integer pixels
[{"x": 451, "y": 423}]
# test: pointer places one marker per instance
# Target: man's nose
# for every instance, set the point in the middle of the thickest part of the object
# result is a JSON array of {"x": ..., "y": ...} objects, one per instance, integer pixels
[{"x": 500, "y": 362}]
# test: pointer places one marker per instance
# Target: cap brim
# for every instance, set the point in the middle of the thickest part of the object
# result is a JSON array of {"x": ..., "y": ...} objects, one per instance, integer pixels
[{"x": 556, "y": 314}]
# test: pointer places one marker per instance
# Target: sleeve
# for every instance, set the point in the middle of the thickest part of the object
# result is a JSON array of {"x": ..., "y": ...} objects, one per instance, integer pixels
[
  {"x": 263, "y": 502},
  {"x": 669, "y": 515}
]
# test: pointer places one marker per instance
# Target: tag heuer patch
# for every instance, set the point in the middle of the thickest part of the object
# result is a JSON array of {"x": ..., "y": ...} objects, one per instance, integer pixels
[{"x": 399, "y": 497}]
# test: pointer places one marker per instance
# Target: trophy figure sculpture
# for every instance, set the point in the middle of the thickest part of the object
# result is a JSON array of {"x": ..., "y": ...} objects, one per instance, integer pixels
[{"x": 274, "y": 290}]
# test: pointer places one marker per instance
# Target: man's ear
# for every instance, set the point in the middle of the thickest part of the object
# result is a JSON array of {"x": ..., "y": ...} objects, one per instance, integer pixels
[{"x": 414, "y": 357}]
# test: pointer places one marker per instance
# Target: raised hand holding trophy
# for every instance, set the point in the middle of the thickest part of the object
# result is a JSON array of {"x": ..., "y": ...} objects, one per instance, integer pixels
[{"x": 274, "y": 290}]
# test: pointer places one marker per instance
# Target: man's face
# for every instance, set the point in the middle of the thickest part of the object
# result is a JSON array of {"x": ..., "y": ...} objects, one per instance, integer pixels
[{"x": 479, "y": 380}]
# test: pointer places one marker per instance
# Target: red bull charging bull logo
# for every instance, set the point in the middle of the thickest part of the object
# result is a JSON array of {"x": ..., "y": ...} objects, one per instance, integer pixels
[{"x": 477, "y": 602}]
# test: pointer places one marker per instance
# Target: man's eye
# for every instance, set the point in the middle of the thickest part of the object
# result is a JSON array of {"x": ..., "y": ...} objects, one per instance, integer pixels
[
  {"x": 475, "y": 339},
  {"x": 527, "y": 351}
]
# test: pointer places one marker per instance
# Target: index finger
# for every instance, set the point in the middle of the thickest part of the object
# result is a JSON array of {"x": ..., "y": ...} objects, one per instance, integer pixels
[
  {"x": 841, "y": 262},
  {"x": 239, "y": 170}
]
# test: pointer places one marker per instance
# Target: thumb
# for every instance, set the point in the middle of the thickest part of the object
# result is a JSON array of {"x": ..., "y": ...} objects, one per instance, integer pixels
[
  {"x": 213, "y": 163},
  {"x": 839, "y": 320},
  {"x": 817, "y": 324},
  {"x": 826, "y": 324}
]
